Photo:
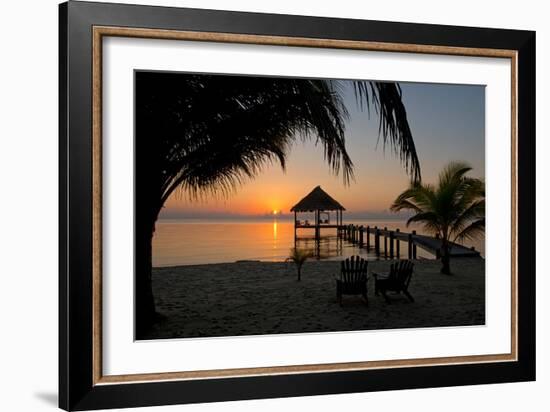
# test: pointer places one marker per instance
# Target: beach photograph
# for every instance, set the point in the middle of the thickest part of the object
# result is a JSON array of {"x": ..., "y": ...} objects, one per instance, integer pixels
[{"x": 276, "y": 205}]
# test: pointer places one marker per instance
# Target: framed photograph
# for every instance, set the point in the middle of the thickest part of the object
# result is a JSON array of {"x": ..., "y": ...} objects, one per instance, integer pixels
[{"x": 256, "y": 206}]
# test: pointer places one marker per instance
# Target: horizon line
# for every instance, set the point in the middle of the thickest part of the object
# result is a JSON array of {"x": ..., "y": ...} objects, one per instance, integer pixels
[{"x": 214, "y": 215}]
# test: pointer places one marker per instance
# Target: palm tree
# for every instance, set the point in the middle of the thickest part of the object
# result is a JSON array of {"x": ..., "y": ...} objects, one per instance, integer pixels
[
  {"x": 454, "y": 210},
  {"x": 198, "y": 134},
  {"x": 298, "y": 257}
]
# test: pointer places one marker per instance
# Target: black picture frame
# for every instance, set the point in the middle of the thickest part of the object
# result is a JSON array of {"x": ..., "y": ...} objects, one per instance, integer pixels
[{"x": 77, "y": 390}]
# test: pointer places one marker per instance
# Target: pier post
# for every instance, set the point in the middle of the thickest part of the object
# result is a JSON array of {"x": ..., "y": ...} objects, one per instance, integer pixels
[
  {"x": 377, "y": 240},
  {"x": 414, "y": 247},
  {"x": 391, "y": 244},
  {"x": 317, "y": 227},
  {"x": 295, "y": 224},
  {"x": 368, "y": 238},
  {"x": 361, "y": 235},
  {"x": 397, "y": 246},
  {"x": 410, "y": 246},
  {"x": 385, "y": 242}
]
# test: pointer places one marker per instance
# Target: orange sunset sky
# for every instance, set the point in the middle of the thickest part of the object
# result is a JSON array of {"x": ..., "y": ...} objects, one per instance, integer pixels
[{"x": 447, "y": 122}]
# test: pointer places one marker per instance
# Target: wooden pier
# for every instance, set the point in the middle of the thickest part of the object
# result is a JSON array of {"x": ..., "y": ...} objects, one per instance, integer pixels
[{"x": 387, "y": 243}]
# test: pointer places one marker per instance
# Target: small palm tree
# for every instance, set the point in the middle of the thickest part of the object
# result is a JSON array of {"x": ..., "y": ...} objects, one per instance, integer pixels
[
  {"x": 454, "y": 210},
  {"x": 299, "y": 257}
]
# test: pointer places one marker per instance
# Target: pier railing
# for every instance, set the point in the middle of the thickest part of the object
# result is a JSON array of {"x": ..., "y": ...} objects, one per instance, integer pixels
[{"x": 387, "y": 242}]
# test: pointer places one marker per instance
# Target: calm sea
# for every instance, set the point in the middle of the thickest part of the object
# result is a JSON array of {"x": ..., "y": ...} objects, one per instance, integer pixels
[{"x": 192, "y": 242}]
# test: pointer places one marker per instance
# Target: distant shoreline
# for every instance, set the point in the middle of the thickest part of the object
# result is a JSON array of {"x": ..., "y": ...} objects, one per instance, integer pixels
[{"x": 280, "y": 217}]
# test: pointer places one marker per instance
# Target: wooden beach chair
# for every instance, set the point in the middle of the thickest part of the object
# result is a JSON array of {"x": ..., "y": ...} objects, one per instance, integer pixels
[
  {"x": 353, "y": 279},
  {"x": 397, "y": 280}
]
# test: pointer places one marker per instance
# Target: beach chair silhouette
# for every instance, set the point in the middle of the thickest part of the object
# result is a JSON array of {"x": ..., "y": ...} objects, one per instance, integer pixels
[
  {"x": 397, "y": 280},
  {"x": 353, "y": 278}
]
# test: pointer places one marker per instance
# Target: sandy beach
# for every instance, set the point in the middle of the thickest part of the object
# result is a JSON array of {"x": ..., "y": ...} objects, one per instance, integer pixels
[{"x": 254, "y": 298}]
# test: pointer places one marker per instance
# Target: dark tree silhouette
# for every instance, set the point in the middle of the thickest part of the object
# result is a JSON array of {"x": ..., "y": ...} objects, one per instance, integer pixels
[
  {"x": 454, "y": 209},
  {"x": 209, "y": 133}
]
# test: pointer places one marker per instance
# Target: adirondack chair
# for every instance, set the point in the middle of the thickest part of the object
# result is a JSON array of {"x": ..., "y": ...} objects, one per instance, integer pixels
[
  {"x": 353, "y": 278},
  {"x": 396, "y": 281}
]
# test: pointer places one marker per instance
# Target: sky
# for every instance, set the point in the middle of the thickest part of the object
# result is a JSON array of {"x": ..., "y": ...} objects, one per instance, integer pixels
[{"x": 447, "y": 123}]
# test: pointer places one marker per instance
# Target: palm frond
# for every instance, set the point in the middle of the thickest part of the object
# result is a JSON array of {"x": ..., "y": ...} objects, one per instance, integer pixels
[
  {"x": 476, "y": 210},
  {"x": 455, "y": 207},
  {"x": 429, "y": 219},
  {"x": 418, "y": 197},
  {"x": 208, "y": 134},
  {"x": 453, "y": 172},
  {"x": 472, "y": 231},
  {"x": 393, "y": 125},
  {"x": 405, "y": 204}
]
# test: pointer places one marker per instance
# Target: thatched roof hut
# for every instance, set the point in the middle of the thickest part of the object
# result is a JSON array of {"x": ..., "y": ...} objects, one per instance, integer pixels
[
  {"x": 316, "y": 200},
  {"x": 321, "y": 203}
]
